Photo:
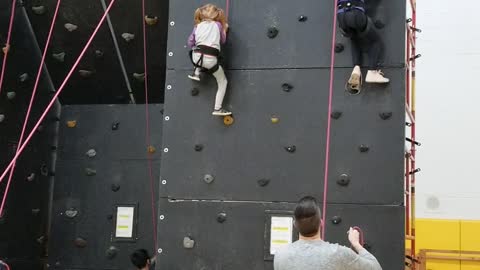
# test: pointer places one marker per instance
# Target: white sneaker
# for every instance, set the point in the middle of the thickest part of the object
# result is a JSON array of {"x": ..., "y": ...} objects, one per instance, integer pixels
[
  {"x": 221, "y": 112},
  {"x": 376, "y": 76},
  {"x": 194, "y": 77}
]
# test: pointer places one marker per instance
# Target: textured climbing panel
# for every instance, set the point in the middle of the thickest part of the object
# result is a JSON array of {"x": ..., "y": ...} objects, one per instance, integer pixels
[
  {"x": 269, "y": 120},
  {"x": 238, "y": 240},
  {"x": 102, "y": 164},
  {"x": 300, "y": 43}
]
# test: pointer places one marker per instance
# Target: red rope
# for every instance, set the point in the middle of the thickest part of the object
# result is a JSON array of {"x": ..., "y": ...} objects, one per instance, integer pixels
[
  {"x": 329, "y": 120},
  {"x": 59, "y": 91},
  {"x": 5, "y": 264},
  {"x": 147, "y": 133},
  {"x": 27, "y": 116},
  {"x": 227, "y": 8},
  {"x": 7, "y": 45}
]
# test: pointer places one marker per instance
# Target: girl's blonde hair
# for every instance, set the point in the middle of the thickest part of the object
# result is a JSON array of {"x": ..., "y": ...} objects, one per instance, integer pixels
[{"x": 210, "y": 12}]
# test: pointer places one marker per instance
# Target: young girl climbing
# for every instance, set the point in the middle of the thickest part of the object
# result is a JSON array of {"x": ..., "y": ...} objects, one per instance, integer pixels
[{"x": 209, "y": 32}]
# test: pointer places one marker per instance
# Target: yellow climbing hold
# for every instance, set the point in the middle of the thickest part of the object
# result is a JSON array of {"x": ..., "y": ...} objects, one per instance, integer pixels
[
  {"x": 71, "y": 124},
  {"x": 228, "y": 120},
  {"x": 151, "y": 149},
  {"x": 275, "y": 119},
  {"x": 151, "y": 20}
]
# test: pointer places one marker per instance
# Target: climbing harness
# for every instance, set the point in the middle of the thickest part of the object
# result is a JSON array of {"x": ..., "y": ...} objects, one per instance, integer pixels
[
  {"x": 347, "y": 5},
  {"x": 6, "y": 49},
  {"x": 208, "y": 51}
]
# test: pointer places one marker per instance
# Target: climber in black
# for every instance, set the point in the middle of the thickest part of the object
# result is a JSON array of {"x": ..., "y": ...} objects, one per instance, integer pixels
[
  {"x": 142, "y": 260},
  {"x": 357, "y": 26}
]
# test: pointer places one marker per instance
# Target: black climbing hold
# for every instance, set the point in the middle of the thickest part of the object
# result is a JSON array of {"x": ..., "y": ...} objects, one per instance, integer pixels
[
  {"x": 90, "y": 172},
  {"x": 291, "y": 149},
  {"x": 272, "y": 32},
  {"x": 56, "y": 119},
  {"x": 35, "y": 211},
  {"x": 363, "y": 148},
  {"x": 409, "y": 20},
  {"x": 110, "y": 217},
  {"x": 412, "y": 141},
  {"x": 198, "y": 147},
  {"x": 287, "y": 87},
  {"x": 161, "y": 111},
  {"x": 386, "y": 115},
  {"x": 115, "y": 187},
  {"x": 263, "y": 182},
  {"x": 408, "y": 124},
  {"x": 336, "y": 220},
  {"x": 80, "y": 242},
  {"x": 336, "y": 114},
  {"x": 221, "y": 217},
  {"x": 31, "y": 177},
  {"x": 41, "y": 240},
  {"x": 343, "y": 180},
  {"x": 53, "y": 148},
  {"x": 379, "y": 24},
  {"x": 339, "y": 47},
  {"x": 195, "y": 92},
  {"x": 99, "y": 53},
  {"x": 415, "y": 57},
  {"x": 40, "y": 128},
  {"x": 71, "y": 213},
  {"x": 111, "y": 252},
  {"x": 115, "y": 125},
  {"x": 44, "y": 170},
  {"x": 415, "y": 171},
  {"x": 302, "y": 18}
]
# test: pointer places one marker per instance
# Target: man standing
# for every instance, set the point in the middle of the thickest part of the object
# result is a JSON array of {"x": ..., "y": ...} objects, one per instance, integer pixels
[{"x": 310, "y": 252}]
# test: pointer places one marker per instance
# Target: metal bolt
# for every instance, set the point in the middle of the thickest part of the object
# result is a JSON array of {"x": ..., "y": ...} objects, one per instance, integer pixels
[
  {"x": 165, "y": 150},
  {"x": 170, "y": 54},
  {"x": 169, "y": 87},
  {"x": 167, "y": 118},
  {"x": 160, "y": 251},
  {"x": 162, "y": 217},
  {"x": 164, "y": 182},
  {"x": 172, "y": 23}
]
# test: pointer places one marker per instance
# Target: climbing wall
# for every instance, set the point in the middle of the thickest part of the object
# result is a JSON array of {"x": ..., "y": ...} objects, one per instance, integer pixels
[
  {"x": 102, "y": 164},
  {"x": 24, "y": 224},
  {"x": 221, "y": 183}
]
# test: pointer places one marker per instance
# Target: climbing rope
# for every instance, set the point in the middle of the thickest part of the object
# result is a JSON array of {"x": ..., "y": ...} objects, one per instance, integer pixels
[
  {"x": 5, "y": 265},
  {"x": 6, "y": 49},
  {"x": 227, "y": 8},
  {"x": 59, "y": 91},
  {"x": 147, "y": 132},
  {"x": 30, "y": 105},
  {"x": 329, "y": 120}
]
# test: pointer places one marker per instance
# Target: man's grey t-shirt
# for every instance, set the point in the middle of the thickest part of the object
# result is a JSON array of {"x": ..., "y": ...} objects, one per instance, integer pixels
[{"x": 320, "y": 255}]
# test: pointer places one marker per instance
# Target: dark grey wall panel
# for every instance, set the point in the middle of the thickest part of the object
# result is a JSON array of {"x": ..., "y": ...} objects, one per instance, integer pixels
[
  {"x": 238, "y": 243},
  {"x": 298, "y": 44},
  {"x": 253, "y": 147}
]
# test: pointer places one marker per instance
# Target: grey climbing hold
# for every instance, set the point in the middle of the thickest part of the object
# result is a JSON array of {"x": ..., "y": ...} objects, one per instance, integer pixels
[
  {"x": 302, "y": 18},
  {"x": 139, "y": 77},
  {"x": 115, "y": 187},
  {"x": 80, "y": 242},
  {"x": 188, "y": 243},
  {"x": 23, "y": 78},
  {"x": 60, "y": 57},
  {"x": 111, "y": 252},
  {"x": 11, "y": 95},
  {"x": 336, "y": 115},
  {"x": 272, "y": 32},
  {"x": 70, "y": 27},
  {"x": 91, "y": 153},
  {"x": 343, "y": 180},
  {"x": 222, "y": 217},
  {"x": 385, "y": 115},
  {"x": 198, "y": 147},
  {"x": 263, "y": 182},
  {"x": 35, "y": 211},
  {"x": 98, "y": 53},
  {"x": 115, "y": 125},
  {"x": 31, "y": 177},
  {"x": 363, "y": 148},
  {"x": 128, "y": 36},
  {"x": 2, "y": 117},
  {"x": 339, "y": 47},
  {"x": 44, "y": 170},
  {"x": 41, "y": 240},
  {"x": 40, "y": 128},
  {"x": 208, "y": 178},
  {"x": 39, "y": 10},
  {"x": 71, "y": 213},
  {"x": 90, "y": 172},
  {"x": 194, "y": 92},
  {"x": 287, "y": 87},
  {"x": 85, "y": 73}
]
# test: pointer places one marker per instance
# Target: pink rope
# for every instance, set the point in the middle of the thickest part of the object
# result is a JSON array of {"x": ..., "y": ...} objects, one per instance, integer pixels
[
  {"x": 329, "y": 120},
  {"x": 35, "y": 87},
  {"x": 5, "y": 264},
  {"x": 10, "y": 26},
  {"x": 147, "y": 133},
  {"x": 59, "y": 91},
  {"x": 227, "y": 8}
]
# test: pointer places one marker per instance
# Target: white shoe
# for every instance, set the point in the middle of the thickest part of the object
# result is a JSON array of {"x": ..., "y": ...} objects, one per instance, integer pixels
[
  {"x": 376, "y": 76},
  {"x": 221, "y": 112},
  {"x": 194, "y": 77}
]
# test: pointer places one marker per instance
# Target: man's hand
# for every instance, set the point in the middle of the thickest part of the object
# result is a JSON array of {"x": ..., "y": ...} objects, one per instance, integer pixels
[
  {"x": 226, "y": 28},
  {"x": 354, "y": 238}
]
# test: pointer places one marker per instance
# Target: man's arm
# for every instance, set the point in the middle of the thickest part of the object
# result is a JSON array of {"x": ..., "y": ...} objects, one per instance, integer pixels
[{"x": 361, "y": 261}]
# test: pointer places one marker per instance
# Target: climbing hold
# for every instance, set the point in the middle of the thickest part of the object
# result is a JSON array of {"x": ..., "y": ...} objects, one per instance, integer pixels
[
  {"x": 343, "y": 180},
  {"x": 115, "y": 125},
  {"x": 91, "y": 153},
  {"x": 40, "y": 128},
  {"x": 31, "y": 177},
  {"x": 339, "y": 47},
  {"x": 53, "y": 148},
  {"x": 6, "y": 48},
  {"x": 55, "y": 119},
  {"x": 274, "y": 119},
  {"x": 364, "y": 148},
  {"x": 111, "y": 252},
  {"x": 222, "y": 217},
  {"x": 80, "y": 242},
  {"x": 90, "y": 172},
  {"x": 85, "y": 73},
  {"x": 151, "y": 149},
  {"x": 35, "y": 211},
  {"x": 41, "y": 240},
  {"x": 128, "y": 36},
  {"x": 139, "y": 77},
  {"x": 60, "y": 57},
  {"x": 188, "y": 242},
  {"x": 57, "y": 264},
  {"x": 109, "y": 217},
  {"x": 272, "y": 32},
  {"x": 72, "y": 123},
  {"x": 195, "y": 92},
  {"x": 336, "y": 114},
  {"x": 115, "y": 187},
  {"x": 208, "y": 178},
  {"x": 2, "y": 117},
  {"x": 291, "y": 149},
  {"x": 198, "y": 147},
  {"x": 99, "y": 53},
  {"x": 379, "y": 24},
  {"x": 287, "y": 87},
  {"x": 23, "y": 78},
  {"x": 336, "y": 220},
  {"x": 302, "y": 18},
  {"x": 70, "y": 27},
  {"x": 44, "y": 170},
  {"x": 228, "y": 120},
  {"x": 39, "y": 10},
  {"x": 385, "y": 115},
  {"x": 71, "y": 213},
  {"x": 263, "y": 182},
  {"x": 11, "y": 95},
  {"x": 150, "y": 20}
]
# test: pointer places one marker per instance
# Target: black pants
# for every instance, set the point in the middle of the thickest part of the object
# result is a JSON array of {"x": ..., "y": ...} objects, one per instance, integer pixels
[{"x": 363, "y": 36}]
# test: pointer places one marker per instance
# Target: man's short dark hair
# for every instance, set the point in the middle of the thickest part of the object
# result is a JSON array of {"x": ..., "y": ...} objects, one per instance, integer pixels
[
  {"x": 140, "y": 258},
  {"x": 307, "y": 216}
]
